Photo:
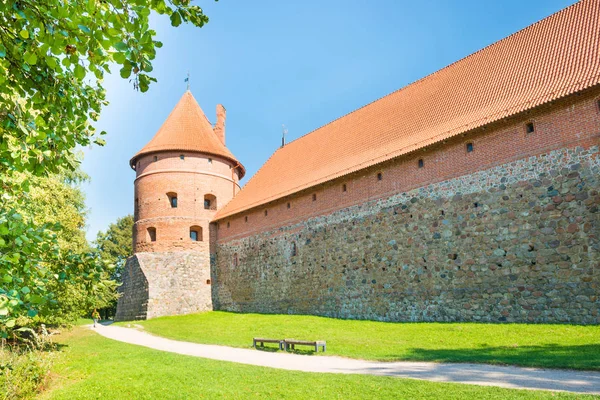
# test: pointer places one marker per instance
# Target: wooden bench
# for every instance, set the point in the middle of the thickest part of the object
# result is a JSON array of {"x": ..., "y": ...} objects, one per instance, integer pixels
[
  {"x": 262, "y": 342},
  {"x": 292, "y": 343}
]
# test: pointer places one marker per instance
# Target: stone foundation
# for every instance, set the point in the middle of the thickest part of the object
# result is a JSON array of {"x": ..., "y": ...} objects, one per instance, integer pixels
[
  {"x": 159, "y": 284},
  {"x": 515, "y": 243}
]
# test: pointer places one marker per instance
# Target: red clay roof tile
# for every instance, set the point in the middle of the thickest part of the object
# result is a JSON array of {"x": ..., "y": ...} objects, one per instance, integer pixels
[
  {"x": 548, "y": 60},
  {"x": 187, "y": 129}
]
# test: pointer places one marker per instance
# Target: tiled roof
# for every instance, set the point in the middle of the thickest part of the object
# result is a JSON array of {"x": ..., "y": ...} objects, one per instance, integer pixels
[
  {"x": 548, "y": 60},
  {"x": 187, "y": 129}
]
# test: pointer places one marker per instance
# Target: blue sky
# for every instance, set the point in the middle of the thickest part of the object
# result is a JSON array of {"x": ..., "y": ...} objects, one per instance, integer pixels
[{"x": 298, "y": 63}]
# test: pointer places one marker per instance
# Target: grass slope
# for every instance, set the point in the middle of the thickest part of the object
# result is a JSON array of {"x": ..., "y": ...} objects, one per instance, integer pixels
[
  {"x": 551, "y": 346},
  {"x": 92, "y": 367}
]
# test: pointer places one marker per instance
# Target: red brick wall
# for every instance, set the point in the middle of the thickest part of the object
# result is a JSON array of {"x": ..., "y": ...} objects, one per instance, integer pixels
[
  {"x": 191, "y": 178},
  {"x": 574, "y": 121}
]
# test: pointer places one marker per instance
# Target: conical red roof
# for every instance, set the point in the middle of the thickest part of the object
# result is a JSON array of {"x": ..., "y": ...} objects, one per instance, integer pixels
[{"x": 187, "y": 129}]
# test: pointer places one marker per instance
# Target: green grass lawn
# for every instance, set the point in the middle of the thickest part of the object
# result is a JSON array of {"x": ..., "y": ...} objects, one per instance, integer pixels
[
  {"x": 91, "y": 366},
  {"x": 552, "y": 346}
]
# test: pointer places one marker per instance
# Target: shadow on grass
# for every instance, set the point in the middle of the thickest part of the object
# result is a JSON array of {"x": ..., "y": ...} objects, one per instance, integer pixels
[
  {"x": 276, "y": 350},
  {"x": 583, "y": 357}
]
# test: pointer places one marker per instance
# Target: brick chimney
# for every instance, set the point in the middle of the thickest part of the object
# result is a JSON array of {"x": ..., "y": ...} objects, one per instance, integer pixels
[{"x": 220, "y": 125}]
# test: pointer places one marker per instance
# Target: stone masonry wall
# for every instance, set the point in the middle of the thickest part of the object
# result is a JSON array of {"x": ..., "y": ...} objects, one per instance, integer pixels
[
  {"x": 518, "y": 242},
  {"x": 133, "y": 303},
  {"x": 169, "y": 283}
]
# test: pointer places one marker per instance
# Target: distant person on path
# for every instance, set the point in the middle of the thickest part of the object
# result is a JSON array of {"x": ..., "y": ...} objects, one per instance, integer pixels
[{"x": 95, "y": 316}]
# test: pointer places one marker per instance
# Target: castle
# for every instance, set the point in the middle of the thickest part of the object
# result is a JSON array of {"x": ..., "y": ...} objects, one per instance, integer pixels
[{"x": 469, "y": 195}]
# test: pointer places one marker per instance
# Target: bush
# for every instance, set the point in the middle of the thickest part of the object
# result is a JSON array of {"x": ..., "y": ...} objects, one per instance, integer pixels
[{"x": 25, "y": 365}]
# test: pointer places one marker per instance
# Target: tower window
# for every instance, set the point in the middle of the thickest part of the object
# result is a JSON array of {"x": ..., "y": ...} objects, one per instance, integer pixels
[
  {"x": 598, "y": 104},
  {"x": 469, "y": 147},
  {"x": 344, "y": 188},
  {"x": 289, "y": 205},
  {"x": 421, "y": 163},
  {"x": 228, "y": 225},
  {"x": 246, "y": 218},
  {"x": 235, "y": 259},
  {"x": 196, "y": 233},
  {"x": 155, "y": 158},
  {"x": 529, "y": 127},
  {"x": 210, "y": 202},
  {"x": 151, "y": 234},
  {"x": 379, "y": 176},
  {"x": 210, "y": 160},
  {"x": 172, "y": 199},
  {"x": 182, "y": 157},
  {"x": 314, "y": 197},
  {"x": 266, "y": 212}
]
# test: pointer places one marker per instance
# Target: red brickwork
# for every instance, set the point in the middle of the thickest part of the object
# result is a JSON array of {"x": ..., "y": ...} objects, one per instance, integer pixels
[
  {"x": 573, "y": 121},
  {"x": 191, "y": 179}
]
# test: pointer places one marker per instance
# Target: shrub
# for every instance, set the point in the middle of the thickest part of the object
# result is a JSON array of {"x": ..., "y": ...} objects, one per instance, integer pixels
[
  {"x": 25, "y": 364},
  {"x": 22, "y": 372}
]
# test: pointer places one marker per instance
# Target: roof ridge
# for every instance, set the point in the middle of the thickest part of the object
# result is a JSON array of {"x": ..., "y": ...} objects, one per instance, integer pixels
[{"x": 437, "y": 72}]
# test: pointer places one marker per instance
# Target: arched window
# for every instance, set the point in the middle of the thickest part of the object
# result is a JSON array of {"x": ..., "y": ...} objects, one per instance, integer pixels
[
  {"x": 235, "y": 259},
  {"x": 196, "y": 233},
  {"x": 210, "y": 202},
  {"x": 172, "y": 199},
  {"x": 151, "y": 234}
]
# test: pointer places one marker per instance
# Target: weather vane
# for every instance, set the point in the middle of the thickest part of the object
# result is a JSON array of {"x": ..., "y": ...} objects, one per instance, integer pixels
[
  {"x": 283, "y": 133},
  {"x": 187, "y": 80}
]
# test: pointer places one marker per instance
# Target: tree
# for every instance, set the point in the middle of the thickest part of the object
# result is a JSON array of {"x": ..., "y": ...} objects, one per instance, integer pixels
[
  {"x": 115, "y": 245},
  {"x": 65, "y": 278},
  {"x": 53, "y": 56}
]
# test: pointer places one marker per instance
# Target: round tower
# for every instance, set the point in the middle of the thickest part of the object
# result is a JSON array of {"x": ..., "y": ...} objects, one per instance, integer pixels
[{"x": 183, "y": 176}]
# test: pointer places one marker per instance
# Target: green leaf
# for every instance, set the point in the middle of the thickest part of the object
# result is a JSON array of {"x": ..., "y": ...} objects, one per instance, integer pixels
[
  {"x": 25, "y": 290},
  {"x": 84, "y": 28},
  {"x": 119, "y": 57},
  {"x": 51, "y": 61},
  {"x": 125, "y": 72},
  {"x": 36, "y": 299},
  {"x": 32, "y": 313},
  {"x": 30, "y": 58},
  {"x": 79, "y": 72},
  {"x": 175, "y": 19},
  {"x": 10, "y": 323},
  {"x": 121, "y": 46},
  {"x": 2, "y": 51},
  {"x": 24, "y": 34},
  {"x": 7, "y": 279}
]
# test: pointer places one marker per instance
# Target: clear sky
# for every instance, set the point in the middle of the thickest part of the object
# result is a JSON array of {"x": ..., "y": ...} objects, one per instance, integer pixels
[{"x": 298, "y": 63}]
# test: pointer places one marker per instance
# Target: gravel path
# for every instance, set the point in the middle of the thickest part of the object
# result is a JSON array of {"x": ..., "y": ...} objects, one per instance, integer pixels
[{"x": 474, "y": 374}]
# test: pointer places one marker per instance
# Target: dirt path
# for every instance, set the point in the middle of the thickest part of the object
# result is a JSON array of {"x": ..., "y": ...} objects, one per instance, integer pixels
[{"x": 474, "y": 374}]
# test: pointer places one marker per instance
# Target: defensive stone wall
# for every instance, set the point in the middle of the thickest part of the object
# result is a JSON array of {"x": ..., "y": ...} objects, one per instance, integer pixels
[
  {"x": 517, "y": 242},
  {"x": 167, "y": 283}
]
